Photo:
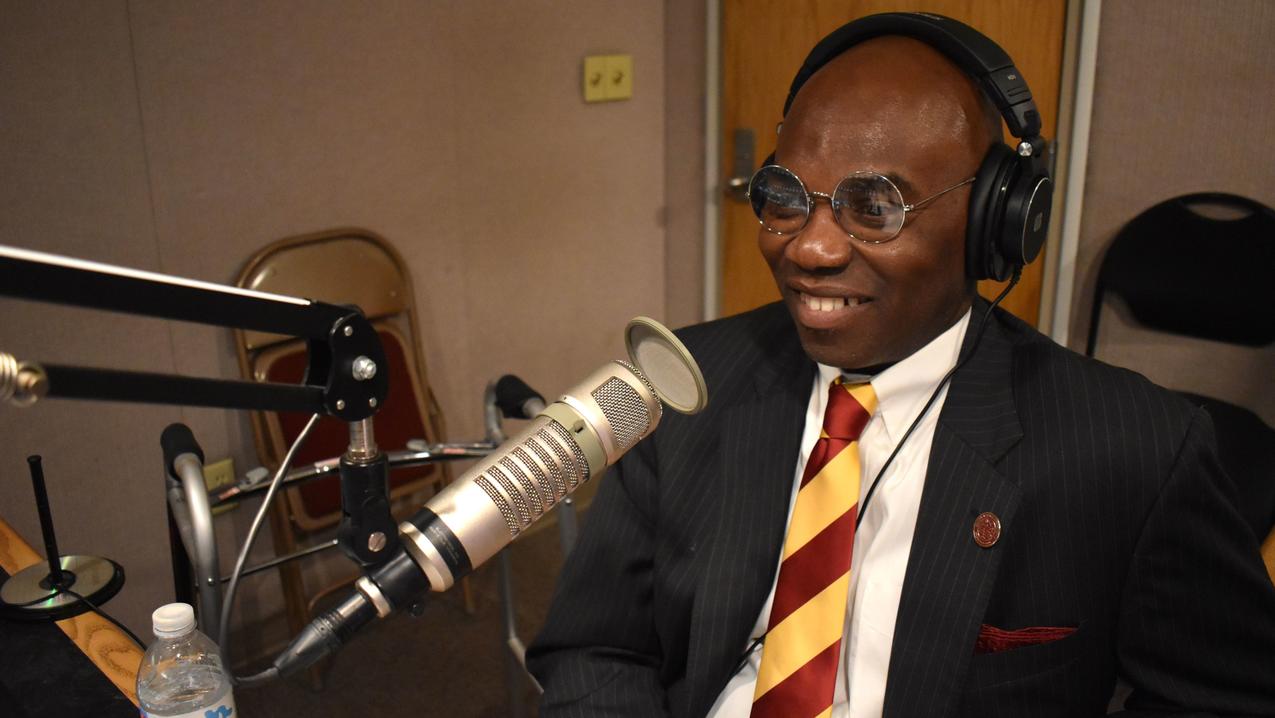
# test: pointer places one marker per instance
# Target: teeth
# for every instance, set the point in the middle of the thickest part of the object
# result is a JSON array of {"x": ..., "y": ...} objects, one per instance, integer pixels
[{"x": 826, "y": 304}]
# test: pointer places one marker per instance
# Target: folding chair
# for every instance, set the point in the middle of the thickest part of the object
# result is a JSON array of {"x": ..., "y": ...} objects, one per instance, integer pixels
[
  {"x": 1185, "y": 273},
  {"x": 340, "y": 267}
]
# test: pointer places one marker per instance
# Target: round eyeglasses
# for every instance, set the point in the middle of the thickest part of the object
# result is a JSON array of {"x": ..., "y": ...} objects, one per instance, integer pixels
[{"x": 867, "y": 205}]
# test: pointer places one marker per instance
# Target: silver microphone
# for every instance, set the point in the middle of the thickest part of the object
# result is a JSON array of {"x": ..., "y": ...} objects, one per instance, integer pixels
[{"x": 571, "y": 441}]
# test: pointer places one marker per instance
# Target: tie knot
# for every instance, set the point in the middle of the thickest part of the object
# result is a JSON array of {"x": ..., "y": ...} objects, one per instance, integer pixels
[{"x": 849, "y": 408}]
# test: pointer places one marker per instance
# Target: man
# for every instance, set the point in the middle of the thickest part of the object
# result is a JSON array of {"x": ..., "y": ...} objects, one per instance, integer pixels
[{"x": 1051, "y": 523}]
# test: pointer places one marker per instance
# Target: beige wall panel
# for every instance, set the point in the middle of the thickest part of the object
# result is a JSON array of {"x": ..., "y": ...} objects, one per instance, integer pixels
[
  {"x": 74, "y": 182},
  {"x": 556, "y": 226},
  {"x": 1181, "y": 104}
]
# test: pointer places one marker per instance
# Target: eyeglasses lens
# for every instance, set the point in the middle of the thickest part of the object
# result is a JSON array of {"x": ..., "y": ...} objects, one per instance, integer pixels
[
  {"x": 869, "y": 207},
  {"x": 779, "y": 200},
  {"x": 866, "y": 205}
]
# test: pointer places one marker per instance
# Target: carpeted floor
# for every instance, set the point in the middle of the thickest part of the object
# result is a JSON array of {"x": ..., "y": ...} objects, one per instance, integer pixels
[{"x": 443, "y": 663}]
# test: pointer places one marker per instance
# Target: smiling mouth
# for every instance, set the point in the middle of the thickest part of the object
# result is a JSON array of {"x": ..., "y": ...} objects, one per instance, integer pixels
[{"x": 828, "y": 304}]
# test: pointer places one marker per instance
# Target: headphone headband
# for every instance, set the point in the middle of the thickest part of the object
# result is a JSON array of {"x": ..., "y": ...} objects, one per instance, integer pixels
[
  {"x": 1011, "y": 197},
  {"x": 971, "y": 50}
]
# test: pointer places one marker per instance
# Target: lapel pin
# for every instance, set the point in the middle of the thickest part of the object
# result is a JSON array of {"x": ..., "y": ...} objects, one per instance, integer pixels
[{"x": 987, "y": 529}]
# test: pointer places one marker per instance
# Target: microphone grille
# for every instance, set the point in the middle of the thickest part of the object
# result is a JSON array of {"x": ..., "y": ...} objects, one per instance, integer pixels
[
  {"x": 556, "y": 472},
  {"x": 575, "y": 465},
  {"x": 520, "y": 504},
  {"x": 624, "y": 410},
  {"x": 506, "y": 511},
  {"x": 546, "y": 466},
  {"x": 539, "y": 479}
]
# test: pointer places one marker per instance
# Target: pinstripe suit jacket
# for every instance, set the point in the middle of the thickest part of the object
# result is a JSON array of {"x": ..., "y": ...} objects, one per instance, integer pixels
[{"x": 1116, "y": 517}]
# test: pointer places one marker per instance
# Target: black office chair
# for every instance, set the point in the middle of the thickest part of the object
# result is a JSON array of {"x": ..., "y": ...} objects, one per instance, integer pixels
[{"x": 1184, "y": 273}]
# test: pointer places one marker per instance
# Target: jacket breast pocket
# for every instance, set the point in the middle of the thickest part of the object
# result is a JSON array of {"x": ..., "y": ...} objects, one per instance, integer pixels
[
  {"x": 1058, "y": 679},
  {"x": 1028, "y": 665}
]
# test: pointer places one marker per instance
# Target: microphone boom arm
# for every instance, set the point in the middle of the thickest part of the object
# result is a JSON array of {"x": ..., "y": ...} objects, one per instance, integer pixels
[
  {"x": 337, "y": 382},
  {"x": 345, "y": 377}
]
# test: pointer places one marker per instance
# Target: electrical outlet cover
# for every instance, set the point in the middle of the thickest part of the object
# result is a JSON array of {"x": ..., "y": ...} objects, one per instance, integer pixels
[
  {"x": 619, "y": 77},
  {"x": 595, "y": 74},
  {"x": 217, "y": 476}
]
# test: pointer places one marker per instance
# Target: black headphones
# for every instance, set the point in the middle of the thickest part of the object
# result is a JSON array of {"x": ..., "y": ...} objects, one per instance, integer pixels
[{"x": 1010, "y": 200}]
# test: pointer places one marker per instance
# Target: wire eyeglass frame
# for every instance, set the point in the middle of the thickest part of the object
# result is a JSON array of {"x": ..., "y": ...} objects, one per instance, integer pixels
[{"x": 812, "y": 197}]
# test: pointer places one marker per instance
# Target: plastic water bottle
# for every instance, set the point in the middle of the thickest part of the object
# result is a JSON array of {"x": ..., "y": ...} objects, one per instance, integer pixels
[{"x": 182, "y": 675}]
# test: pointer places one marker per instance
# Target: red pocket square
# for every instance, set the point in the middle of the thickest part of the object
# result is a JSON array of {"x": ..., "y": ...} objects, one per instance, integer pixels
[{"x": 994, "y": 640}]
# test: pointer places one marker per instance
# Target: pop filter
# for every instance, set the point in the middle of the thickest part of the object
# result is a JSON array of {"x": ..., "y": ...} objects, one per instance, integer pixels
[{"x": 667, "y": 365}]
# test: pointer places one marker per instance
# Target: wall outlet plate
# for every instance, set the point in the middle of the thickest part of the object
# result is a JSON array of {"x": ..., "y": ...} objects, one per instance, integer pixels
[
  {"x": 595, "y": 72},
  {"x": 217, "y": 476},
  {"x": 608, "y": 78},
  {"x": 619, "y": 77}
]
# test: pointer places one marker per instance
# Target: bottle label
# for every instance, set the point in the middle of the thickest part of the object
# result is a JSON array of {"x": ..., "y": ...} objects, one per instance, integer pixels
[{"x": 225, "y": 708}]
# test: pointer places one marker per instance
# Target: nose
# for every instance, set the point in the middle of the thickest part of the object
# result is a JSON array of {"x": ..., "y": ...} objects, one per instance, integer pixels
[{"x": 822, "y": 245}]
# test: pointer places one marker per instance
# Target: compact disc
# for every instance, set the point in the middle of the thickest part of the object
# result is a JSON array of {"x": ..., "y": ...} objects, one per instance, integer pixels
[{"x": 27, "y": 594}]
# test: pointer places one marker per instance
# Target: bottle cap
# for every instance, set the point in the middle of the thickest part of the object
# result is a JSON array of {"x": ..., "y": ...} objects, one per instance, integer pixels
[{"x": 173, "y": 619}]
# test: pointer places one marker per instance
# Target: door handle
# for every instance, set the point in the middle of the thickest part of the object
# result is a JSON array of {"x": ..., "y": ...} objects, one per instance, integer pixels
[{"x": 743, "y": 141}]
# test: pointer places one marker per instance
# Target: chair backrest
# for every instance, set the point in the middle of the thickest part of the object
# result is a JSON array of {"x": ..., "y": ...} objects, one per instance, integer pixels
[
  {"x": 1183, "y": 272},
  {"x": 341, "y": 267}
]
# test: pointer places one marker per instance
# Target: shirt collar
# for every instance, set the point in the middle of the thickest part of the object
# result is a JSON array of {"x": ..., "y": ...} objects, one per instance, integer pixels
[{"x": 903, "y": 388}]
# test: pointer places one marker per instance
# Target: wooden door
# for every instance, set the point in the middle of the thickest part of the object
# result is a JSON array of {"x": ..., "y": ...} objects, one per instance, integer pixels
[{"x": 763, "y": 44}]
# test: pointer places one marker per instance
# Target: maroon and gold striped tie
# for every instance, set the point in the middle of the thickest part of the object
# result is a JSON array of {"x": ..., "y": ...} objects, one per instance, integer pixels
[{"x": 798, "y": 673}]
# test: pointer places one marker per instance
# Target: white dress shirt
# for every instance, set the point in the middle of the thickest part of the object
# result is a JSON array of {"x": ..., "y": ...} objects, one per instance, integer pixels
[{"x": 884, "y": 538}]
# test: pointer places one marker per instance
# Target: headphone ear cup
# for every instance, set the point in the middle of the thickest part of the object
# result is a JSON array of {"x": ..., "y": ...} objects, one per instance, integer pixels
[
  {"x": 983, "y": 228},
  {"x": 1027, "y": 207}
]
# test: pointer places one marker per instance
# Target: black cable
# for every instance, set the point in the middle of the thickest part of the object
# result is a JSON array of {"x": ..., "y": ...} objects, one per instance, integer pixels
[
  {"x": 92, "y": 607},
  {"x": 739, "y": 666},
  {"x": 863, "y": 508},
  {"x": 105, "y": 615},
  {"x": 257, "y": 679}
]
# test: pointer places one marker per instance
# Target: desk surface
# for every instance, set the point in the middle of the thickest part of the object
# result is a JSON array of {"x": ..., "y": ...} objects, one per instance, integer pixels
[{"x": 113, "y": 652}]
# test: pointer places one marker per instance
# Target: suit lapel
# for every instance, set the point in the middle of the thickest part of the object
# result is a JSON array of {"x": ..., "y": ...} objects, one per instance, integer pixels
[
  {"x": 949, "y": 578},
  {"x": 758, "y": 443}
]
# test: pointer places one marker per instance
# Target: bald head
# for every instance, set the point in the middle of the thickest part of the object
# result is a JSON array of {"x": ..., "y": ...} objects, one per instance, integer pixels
[{"x": 900, "y": 82}]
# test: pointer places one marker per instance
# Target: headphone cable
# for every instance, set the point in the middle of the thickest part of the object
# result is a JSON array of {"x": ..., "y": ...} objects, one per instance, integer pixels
[{"x": 863, "y": 508}]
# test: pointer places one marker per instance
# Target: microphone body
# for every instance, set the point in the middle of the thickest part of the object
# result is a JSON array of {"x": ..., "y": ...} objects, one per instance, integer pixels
[{"x": 569, "y": 442}]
